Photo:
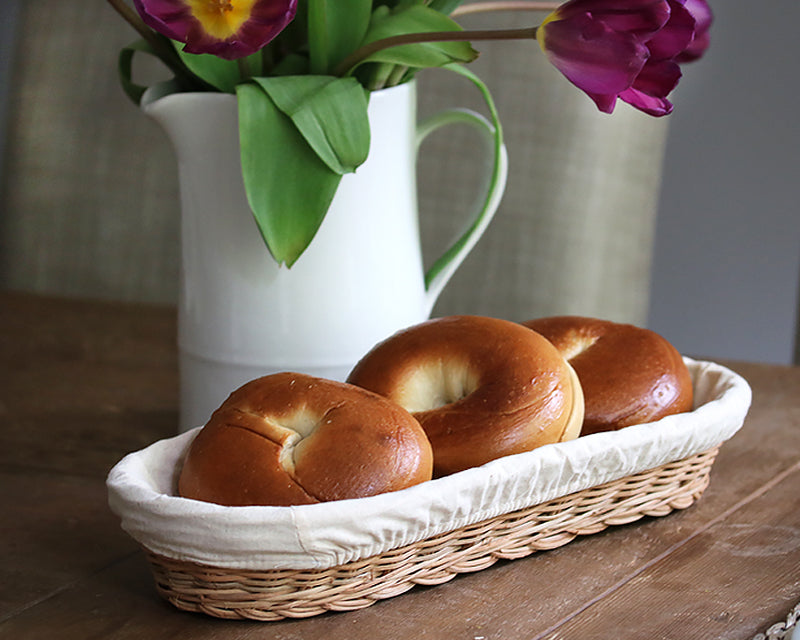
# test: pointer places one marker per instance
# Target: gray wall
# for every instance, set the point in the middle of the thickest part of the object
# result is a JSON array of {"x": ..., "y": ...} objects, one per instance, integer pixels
[
  {"x": 9, "y": 18},
  {"x": 727, "y": 257}
]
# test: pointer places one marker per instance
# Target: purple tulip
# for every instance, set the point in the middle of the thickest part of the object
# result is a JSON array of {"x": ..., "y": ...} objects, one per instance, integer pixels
[
  {"x": 703, "y": 19},
  {"x": 228, "y": 29},
  {"x": 626, "y": 49}
]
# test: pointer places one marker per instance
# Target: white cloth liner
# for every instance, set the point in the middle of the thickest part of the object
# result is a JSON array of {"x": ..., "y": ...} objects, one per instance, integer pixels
[{"x": 141, "y": 490}]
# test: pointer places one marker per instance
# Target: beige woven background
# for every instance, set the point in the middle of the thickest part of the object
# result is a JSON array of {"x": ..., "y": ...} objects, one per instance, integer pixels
[
  {"x": 574, "y": 233},
  {"x": 90, "y": 191},
  {"x": 91, "y": 203}
]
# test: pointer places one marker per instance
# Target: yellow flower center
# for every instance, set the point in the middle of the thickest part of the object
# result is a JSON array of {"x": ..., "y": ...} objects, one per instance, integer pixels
[{"x": 221, "y": 18}]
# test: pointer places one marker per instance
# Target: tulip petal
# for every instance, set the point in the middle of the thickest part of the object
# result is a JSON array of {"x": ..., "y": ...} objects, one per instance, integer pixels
[
  {"x": 695, "y": 50},
  {"x": 605, "y": 102},
  {"x": 229, "y": 29},
  {"x": 592, "y": 56},
  {"x": 701, "y": 13},
  {"x": 650, "y": 105},
  {"x": 658, "y": 77},
  {"x": 637, "y": 17},
  {"x": 627, "y": 49},
  {"x": 169, "y": 17},
  {"x": 649, "y": 92},
  {"x": 675, "y": 36},
  {"x": 703, "y": 18}
]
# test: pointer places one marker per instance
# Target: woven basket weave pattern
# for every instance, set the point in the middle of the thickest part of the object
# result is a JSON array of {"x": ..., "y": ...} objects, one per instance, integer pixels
[{"x": 277, "y": 594}]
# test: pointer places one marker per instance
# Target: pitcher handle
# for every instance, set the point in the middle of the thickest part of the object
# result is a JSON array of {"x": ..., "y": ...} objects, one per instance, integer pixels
[{"x": 445, "y": 266}]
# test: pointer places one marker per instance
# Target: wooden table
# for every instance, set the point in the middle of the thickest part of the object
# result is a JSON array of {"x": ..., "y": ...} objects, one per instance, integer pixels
[{"x": 83, "y": 383}]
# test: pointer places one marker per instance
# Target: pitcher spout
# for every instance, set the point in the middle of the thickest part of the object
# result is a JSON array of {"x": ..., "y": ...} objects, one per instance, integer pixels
[{"x": 182, "y": 115}]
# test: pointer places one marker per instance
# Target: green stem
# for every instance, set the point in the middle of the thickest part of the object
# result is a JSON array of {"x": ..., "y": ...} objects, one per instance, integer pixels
[
  {"x": 371, "y": 48},
  {"x": 245, "y": 72},
  {"x": 503, "y": 5},
  {"x": 398, "y": 73},
  {"x": 267, "y": 61},
  {"x": 318, "y": 36},
  {"x": 380, "y": 76}
]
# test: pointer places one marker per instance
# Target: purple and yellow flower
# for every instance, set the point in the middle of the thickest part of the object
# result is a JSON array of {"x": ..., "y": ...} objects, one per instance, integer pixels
[
  {"x": 626, "y": 49},
  {"x": 228, "y": 29}
]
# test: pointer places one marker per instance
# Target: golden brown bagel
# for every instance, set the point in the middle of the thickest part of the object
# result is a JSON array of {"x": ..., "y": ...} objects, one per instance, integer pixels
[
  {"x": 481, "y": 388},
  {"x": 289, "y": 439},
  {"x": 629, "y": 375}
]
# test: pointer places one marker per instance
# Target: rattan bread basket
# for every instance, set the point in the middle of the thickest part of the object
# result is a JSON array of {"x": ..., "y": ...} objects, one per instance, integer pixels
[{"x": 195, "y": 582}]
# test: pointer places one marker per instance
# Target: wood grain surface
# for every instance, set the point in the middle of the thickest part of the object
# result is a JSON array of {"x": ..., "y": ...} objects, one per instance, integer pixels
[{"x": 83, "y": 383}]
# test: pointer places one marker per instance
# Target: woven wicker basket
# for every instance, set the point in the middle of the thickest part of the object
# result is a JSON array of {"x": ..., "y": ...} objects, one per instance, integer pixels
[{"x": 277, "y": 594}]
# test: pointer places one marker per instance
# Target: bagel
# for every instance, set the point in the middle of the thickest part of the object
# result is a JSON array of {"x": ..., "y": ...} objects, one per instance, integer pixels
[
  {"x": 480, "y": 387},
  {"x": 629, "y": 375},
  {"x": 289, "y": 438}
]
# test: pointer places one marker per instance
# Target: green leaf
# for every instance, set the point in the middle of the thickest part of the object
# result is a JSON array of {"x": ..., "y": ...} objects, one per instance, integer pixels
[
  {"x": 125, "y": 67},
  {"x": 335, "y": 29},
  {"x": 221, "y": 74},
  {"x": 416, "y": 19},
  {"x": 288, "y": 187},
  {"x": 330, "y": 113},
  {"x": 292, "y": 65}
]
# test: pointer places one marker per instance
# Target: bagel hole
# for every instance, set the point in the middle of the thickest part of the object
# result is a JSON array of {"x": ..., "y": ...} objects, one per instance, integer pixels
[
  {"x": 576, "y": 344},
  {"x": 436, "y": 384},
  {"x": 300, "y": 425}
]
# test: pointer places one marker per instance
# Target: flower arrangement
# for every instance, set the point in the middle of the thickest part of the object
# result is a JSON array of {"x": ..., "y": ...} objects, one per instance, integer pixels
[{"x": 309, "y": 66}]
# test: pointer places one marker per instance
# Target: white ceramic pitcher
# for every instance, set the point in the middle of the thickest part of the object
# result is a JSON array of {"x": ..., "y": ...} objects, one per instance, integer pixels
[{"x": 240, "y": 315}]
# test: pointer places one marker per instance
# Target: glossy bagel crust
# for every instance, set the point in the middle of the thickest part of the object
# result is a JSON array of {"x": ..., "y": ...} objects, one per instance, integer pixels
[
  {"x": 480, "y": 387},
  {"x": 289, "y": 439},
  {"x": 629, "y": 375}
]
